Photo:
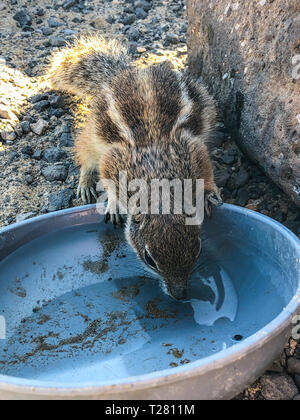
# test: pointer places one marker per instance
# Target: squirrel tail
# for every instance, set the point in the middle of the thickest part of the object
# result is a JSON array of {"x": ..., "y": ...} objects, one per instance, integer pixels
[{"x": 82, "y": 69}]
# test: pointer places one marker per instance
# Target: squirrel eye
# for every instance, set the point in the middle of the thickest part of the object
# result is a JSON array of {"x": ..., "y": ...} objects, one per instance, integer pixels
[{"x": 149, "y": 260}]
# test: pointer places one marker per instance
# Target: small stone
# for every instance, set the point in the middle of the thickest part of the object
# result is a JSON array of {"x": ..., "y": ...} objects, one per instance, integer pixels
[
  {"x": 142, "y": 4},
  {"x": 227, "y": 158},
  {"x": 293, "y": 365},
  {"x": 47, "y": 31},
  {"x": 37, "y": 155},
  {"x": 133, "y": 34},
  {"x": 99, "y": 23},
  {"x": 141, "y": 50},
  {"x": 56, "y": 112},
  {"x": 29, "y": 179},
  {"x": 278, "y": 387},
  {"x": 25, "y": 125},
  {"x": 13, "y": 156},
  {"x": 41, "y": 106},
  {"x": 40, "y": 12},
  {"x": 27, "y": 150},
  {"x": 55, "y": 173},
  {"x": 222, "y": 177},
  {"x": 132, "y": 47},
  {"x": 110, "y": 20},
  {"x": 25, "y": 216},
  {"x": 2, "y": 6},
  {"x": 60, "y": 200},
  {"x": 69, "y": 3},
  {"x": 69, "y": 32},
  {"x": 242, "y": 197},
  {"x": 66, "y": 140},
  {"x": 53, "y": 23},
  {"x": 129, "y": 19},
  {"x": 172, "y": 38},
  {"x": 23, "y": 18},
  {"x": 18, "y": 130},
  {"x": 140, "y": 13},
  {"x": 39, "y": 127},
  {"x": 65, "y": 128},
  {"x": 8, "y": 136},
  {"x": 39, "y": 97},
  {"x": 241, "y": 177},
  {"x": 56, "y": 101},
  {"x": 54, "y": 154},
  {"x": 57, "y": 41}
]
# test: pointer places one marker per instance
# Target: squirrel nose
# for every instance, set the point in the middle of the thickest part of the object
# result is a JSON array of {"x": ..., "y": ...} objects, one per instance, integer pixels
[{"x": 179, "y": 293}]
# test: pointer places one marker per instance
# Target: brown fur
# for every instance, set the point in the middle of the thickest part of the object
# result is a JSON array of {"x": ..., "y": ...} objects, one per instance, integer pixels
[{"x": 152, "y": 123}]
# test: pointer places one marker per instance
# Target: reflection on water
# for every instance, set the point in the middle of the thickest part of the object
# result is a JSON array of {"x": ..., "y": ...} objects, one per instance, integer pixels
[
  {"x": 212, "y": 293},
  {"x": 225, "y": 303}
]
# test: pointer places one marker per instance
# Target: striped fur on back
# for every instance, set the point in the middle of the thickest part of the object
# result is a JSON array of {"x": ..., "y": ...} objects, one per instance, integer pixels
[
  {"x": 132, "y": 105},
  {"x": 145, "y": 106}
]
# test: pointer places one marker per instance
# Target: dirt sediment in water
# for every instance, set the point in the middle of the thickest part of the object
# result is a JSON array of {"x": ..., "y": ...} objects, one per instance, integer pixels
[
  {"x": 127, "y": 292},
  {"x": 176, "y": 353},
  {"x": 154, "y": 312},
  {"x": 95, "y": 267}
]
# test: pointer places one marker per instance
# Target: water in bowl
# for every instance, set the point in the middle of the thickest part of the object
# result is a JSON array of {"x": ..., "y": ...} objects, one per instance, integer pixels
[{"x": 80, "y": 308}]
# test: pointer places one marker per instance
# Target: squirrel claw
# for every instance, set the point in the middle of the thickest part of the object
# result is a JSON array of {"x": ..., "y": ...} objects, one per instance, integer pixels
[
  {"x": 107, "y": 217},
  {"x": 212, "y": 198},
  {"x": 116, "y": 219},
  {"x": 87, "y": 194}
]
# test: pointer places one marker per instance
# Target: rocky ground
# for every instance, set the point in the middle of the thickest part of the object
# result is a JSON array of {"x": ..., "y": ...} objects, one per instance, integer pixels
[{"x": 37, "y": 125}]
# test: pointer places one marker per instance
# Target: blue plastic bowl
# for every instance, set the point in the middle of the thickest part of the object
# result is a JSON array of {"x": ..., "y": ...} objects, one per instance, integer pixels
[{"x": 83, "y": 320}]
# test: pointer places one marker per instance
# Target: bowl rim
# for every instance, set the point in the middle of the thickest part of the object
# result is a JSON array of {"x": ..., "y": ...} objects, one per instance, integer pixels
[{"x": 166, "y": 376}]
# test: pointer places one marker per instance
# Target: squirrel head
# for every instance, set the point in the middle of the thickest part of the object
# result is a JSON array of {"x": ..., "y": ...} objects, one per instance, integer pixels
[{"x": 168, "y": 247}]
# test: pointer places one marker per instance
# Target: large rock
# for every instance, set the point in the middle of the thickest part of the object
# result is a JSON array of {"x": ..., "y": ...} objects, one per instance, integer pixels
[
  {"x": 278, "y": 387},
  {"x": 248, "y": 53}
]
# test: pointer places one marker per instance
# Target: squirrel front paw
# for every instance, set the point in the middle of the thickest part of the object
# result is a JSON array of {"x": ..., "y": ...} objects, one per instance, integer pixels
[
  {"x": 113, "y": 215},
  {"x": 212, "y": 198},
  {"x": 86, "y": 194},
  {"x": 87, "y": 186}
]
